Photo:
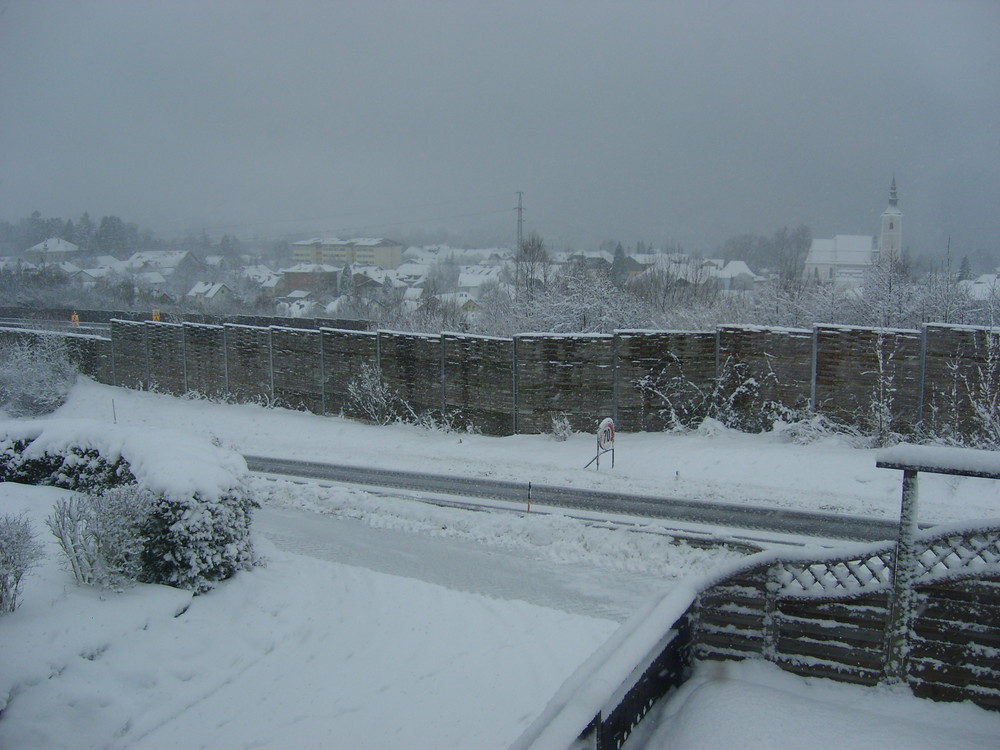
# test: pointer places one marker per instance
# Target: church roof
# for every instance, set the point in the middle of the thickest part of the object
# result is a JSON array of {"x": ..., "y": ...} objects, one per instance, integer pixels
[{"x": 842, "y": 250}]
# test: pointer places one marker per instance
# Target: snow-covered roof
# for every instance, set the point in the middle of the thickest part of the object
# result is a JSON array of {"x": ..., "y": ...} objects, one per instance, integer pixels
[
  {"x": 473, "y": 277},
  {"x": 844, "y": 249},
  {"x": 312, "y": 268},
  {"x": 357, "y": 241},
  {"x": 983, "y": 287},
  {"x": 53, "y": 245},
  {"x": 258, "y": 274},
  {"x": 206, "y": 289},
  {"x": 165, "y": 260},
  {"x": 735, "y": 268},
  {"x": 413, "y": 269},
  {"x": 459, "y": 298},
  {"x": 150, "y": 278}
]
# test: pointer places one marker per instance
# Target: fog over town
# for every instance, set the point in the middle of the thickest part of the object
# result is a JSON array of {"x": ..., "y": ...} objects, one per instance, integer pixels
[
  {"x": 310, "y": 312},
  {"x": 675, "y": 124}
]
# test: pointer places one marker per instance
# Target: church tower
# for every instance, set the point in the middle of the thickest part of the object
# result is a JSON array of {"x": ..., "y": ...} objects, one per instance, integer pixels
[{"x": 890, "y": 240}]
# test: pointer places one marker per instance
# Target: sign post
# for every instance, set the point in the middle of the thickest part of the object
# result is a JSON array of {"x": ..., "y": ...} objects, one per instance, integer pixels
[{"x": 605, "y": 442}]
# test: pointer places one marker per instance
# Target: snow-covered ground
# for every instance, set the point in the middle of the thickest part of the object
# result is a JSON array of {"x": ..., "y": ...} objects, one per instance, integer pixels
[{"x": 309, "y": 652}]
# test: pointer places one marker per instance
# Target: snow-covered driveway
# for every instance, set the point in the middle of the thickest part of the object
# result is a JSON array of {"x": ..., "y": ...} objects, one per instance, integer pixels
[{"x": 462, "y": 565}]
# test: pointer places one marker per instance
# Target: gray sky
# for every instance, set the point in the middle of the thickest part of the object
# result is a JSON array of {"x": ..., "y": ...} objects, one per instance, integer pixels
[{"x": 664, "y": 121}]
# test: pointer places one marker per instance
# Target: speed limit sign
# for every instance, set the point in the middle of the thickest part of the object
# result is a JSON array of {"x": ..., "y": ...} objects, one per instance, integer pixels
[{"x": 605, "y": 442}]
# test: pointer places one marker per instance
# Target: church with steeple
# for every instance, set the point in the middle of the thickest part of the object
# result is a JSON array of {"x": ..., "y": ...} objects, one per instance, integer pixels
[{"x": 844, "y": 260}]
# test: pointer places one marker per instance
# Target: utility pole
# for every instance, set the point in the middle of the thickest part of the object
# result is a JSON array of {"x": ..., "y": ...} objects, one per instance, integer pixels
[
  {"x": 520, "y": 221},
  {"x": 520, "y": 243}
]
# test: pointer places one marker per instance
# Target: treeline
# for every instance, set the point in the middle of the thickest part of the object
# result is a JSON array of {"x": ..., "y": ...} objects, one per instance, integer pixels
[{"x": 110, "y": 236}]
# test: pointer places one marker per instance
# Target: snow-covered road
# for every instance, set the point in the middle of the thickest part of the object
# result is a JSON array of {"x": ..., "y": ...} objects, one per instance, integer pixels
[{"x": 462, "y": 565}]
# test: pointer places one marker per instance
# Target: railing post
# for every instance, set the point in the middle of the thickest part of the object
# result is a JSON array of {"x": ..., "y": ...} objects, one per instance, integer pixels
[
  {"x": 772, "y": 586},
  {"x": 903, "y": 575}
]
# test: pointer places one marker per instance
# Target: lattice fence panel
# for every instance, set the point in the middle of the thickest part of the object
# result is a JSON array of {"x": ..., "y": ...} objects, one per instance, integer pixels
[{"x": 829, "y": 617}]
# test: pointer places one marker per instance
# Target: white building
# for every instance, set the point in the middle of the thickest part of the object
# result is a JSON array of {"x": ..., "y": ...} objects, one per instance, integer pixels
[
  {"x": 365, "y": 251},
  {"x": 844, "y": 260}
]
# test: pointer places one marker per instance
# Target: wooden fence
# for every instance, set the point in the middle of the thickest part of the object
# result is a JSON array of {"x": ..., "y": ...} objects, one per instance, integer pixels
[
  {"x": 944, "y": 380},
  {"x": 825, "y": 616}
]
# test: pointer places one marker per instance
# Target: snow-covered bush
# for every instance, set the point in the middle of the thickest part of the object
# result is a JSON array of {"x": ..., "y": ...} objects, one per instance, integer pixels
[
  {"x": 19, "y": 551},
  {"x": 561, "y": 428},
  {"x": 194, "y": 542},
  {"x": 369, "y": 395},
  {"x": 374, "y": 399},
  {"x": 78, "y": 468},
  {"x": 197, "y": 528},
  {"x": 968, "y": 412},
  {"x": 817, "y": 427},
  {"x": 101, "y": 535},
  {"x": 35, "y": 377},
  {"x": 680, "y": 402}
]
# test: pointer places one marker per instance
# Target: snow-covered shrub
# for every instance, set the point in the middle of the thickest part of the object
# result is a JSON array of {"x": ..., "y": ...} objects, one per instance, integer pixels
[
  {"x": 682, "y": 402},
  {"x": 101, "y": 535},
  {"x": 369, "y": 395},
  {"x": 878, "y": 418},
  {"x": 738, "y": 400},
  {"x": 78, "y": 468},
  {"x": 194, "y": 542},
  {"x": 35, "y": 377},
  {"x": 817, "y": 427},
  {"x": 197, "y": 530},
  {"x": 968, "y": 413},
  {"x": 19, "y": 551},
  {"x": 561, "y": 428}
]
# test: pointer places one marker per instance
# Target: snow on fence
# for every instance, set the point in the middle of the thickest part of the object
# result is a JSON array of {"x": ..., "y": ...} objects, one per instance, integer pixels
[
  {"x": 942, "y": 379},
  {"x": 822, "y": 616}
]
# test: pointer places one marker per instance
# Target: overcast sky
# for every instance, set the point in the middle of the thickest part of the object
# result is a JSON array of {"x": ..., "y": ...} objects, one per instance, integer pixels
[{"x": 667, "y": 121}]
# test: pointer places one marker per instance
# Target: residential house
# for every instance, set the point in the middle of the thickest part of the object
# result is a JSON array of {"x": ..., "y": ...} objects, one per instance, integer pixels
[
  {"x": 737, "y": 276},
  {"x": 52, "y": 250},
  {"x": 180, "y": 268},
  {"x": 209, "y": 293},
  {"x": 314, "y": 277}
]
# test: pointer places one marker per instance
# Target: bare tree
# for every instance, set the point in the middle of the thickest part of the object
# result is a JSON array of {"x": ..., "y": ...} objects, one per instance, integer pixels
[{"x": 532, "y": 266}]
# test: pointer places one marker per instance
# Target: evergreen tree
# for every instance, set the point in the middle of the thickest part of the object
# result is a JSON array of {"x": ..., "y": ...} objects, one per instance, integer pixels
[
  {"x": 619, "y": 268},
  {"x": 965, "y": 269}
]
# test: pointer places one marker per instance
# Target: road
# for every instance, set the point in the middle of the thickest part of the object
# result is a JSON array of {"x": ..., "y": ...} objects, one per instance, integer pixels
[
  {"x": 773, "y": 520},
  {"x": 461, "y": 565}
]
